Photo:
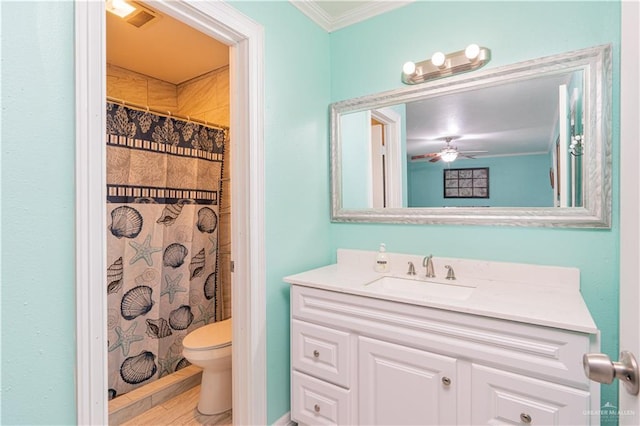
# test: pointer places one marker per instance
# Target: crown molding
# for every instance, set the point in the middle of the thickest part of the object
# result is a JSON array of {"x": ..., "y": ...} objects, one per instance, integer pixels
[
  {"x": 314, "y": 12},
  {"x": 331, "y": 23}
]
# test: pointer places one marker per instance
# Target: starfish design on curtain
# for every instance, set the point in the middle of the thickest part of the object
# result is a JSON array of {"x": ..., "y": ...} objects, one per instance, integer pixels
[
  {"x": 172, "y": 287},
  {"x": 125, "y": 338},
  {"x": 165, "y": 365},
  {"x": 214, "y": 246},
  {"x": 143, "y": 251},
  {"x": 206, "y": 314}
]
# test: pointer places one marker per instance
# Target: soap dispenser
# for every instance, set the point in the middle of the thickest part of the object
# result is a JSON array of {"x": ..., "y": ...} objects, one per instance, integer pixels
[{"x": 382, "y": 260}]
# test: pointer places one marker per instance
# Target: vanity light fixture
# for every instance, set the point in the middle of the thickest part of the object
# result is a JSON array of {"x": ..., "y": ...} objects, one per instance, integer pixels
[
  {"x": 576, "y": 147},
  {"x": 120, "y": 8},
  {"x": 441, "y": 65}
]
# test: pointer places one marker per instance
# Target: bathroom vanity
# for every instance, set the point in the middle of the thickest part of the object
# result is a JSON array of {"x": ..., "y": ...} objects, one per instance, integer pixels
[{"x": 503, "y": 343}]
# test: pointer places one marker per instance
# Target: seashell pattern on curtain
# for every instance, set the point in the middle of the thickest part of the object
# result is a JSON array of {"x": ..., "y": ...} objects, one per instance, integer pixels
[{"x": 163, "y": 198}]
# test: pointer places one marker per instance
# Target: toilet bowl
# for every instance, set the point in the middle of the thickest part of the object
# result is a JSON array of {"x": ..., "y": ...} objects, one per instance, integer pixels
[{"x": 209, "y": 347}]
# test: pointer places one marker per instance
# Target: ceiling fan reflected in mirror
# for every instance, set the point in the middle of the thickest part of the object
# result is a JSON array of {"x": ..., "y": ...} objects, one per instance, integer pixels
[{"x": 447, "y": 154}]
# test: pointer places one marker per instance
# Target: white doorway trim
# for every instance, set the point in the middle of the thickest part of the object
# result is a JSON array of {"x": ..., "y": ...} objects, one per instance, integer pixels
[
  {"x": 391, "y": 121},
  {"x": 629, "y": 198},
  {"x": 246, "y": 41}
]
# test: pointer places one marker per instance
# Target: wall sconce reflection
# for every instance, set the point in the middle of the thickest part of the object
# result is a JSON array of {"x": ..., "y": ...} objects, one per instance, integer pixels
[
  {"x": 576, "y": 144},
  {"x": 441, "y": 65},
  {"x": 576, "y": 148}
]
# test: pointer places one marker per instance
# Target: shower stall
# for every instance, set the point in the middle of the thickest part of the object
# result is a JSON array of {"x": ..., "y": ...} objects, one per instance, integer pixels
[{"x": 168, "y": 244}]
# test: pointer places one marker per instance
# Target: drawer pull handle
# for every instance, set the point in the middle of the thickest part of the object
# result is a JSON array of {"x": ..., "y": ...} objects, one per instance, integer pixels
[
  {"x": 316, "y": 408},
  {"x": 446, "y": 381},
  {"x": 316, "y": 354},
  {"x": 525, "y": 418}
]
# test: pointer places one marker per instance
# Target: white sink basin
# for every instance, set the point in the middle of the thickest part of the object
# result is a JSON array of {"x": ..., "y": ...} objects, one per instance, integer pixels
[{"x": 419, "y": 289}]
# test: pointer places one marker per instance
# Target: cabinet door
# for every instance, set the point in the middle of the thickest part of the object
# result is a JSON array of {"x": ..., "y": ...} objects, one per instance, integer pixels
[
  {"x": 500, "y": 397},
  {"x": 399, "y": 385}
]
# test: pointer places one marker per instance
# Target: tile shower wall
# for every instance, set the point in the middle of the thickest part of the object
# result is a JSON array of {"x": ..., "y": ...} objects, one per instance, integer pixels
[
  {"x": 141, "y": 89},
  {"x": 205, "y": 98}
]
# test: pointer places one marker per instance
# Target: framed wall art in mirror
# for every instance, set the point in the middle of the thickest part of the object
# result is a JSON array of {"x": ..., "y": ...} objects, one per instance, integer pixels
[
  {"x": 466, "y": 183},
  {"x": 527, "y": 122}
]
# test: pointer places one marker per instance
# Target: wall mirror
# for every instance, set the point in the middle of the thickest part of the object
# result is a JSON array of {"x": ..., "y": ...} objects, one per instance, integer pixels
[{"x": 527, "y": 144}]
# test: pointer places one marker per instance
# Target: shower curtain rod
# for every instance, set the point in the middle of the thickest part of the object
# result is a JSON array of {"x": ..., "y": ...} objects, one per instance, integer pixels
[{"x": 168, "y": 114}]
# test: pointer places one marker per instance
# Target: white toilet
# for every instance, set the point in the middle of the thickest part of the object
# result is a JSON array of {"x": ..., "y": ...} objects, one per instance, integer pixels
[{"x": 209, "y": 347}]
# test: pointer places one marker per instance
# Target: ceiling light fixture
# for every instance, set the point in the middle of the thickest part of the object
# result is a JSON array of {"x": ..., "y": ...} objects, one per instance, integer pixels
[
  {"x": 448, "y": 154},
  {"x": 120, "y": 8},
  {"x": 441, "y": 65}
]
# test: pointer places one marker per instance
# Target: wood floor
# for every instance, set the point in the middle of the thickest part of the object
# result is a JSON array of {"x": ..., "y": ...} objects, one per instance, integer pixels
[{"x": 180, "y": 410}]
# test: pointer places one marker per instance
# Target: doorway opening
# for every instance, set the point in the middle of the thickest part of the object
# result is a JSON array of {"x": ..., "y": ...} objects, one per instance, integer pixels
[{"x": 168, "y": 180}]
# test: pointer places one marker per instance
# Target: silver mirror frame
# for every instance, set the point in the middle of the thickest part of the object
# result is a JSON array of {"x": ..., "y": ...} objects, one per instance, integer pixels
[{"x": 596, "y": 62}]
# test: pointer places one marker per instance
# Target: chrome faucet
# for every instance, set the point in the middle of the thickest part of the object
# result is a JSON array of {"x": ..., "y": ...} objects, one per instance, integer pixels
[
  {"x": 412, "y": 269},
  {"x": 427, "y": 262},
  {"x": 450, "y": 274}
]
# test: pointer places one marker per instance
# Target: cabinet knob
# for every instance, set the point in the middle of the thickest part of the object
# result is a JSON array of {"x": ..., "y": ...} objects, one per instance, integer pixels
[
  {"x": 316, "y": 408},
  {"x": 525, "y": 418},
  {"x": 316, "y": 354},
  {"x": 446, "y": 381}
]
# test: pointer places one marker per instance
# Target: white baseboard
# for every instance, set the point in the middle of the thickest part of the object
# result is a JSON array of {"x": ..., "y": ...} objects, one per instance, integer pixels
[{"x": 285, "y": 420}]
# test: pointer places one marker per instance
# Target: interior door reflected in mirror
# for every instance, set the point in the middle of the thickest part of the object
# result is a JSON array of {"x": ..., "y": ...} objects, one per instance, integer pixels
[
  {"x": 540, "y": 129},
  {"x": 376, "y": 159}
]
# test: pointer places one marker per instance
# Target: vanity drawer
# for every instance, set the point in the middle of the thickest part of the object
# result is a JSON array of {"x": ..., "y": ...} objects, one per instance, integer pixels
[
  {"x": 545, "y": 352},
  {"x": 315, "y": 402},
  {"x": 320, "y": 351},
  {"x": 501, "y": 397}
]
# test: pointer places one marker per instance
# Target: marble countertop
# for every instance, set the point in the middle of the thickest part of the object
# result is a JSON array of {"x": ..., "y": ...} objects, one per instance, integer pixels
[{"x": 533, "y": 294}]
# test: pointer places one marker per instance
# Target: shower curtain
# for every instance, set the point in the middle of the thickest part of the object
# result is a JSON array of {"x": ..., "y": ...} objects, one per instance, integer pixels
[{"x": 163, "y": 198}]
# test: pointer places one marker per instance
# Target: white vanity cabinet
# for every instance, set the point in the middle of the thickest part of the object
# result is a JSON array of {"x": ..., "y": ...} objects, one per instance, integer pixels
[{"x": 364, "y": 360}]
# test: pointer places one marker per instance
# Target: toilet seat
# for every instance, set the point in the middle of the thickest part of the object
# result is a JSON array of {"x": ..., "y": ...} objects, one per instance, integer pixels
[{"x": 212, "y": 336}]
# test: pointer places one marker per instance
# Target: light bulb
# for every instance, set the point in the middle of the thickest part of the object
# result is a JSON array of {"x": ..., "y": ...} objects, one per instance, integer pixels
[
  {"x": 120, "y": 8},
  {"x": 449, "y": 154},
  {"x": 409, "y": 68},
  {"x": 472, "y": 51},
  {"x": 438, "y": 59}
]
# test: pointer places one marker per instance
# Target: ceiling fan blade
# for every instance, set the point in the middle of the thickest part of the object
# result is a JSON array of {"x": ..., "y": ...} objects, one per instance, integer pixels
[
  {"x": 435, "y": 159},
  {"x": 421, "y": 156}
]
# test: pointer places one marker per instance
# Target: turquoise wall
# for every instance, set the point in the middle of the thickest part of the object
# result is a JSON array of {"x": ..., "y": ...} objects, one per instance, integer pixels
[
  {"x": 38, "y": 229},
  {"x": 515, "y": 31},
  {"x": 515, "y": 181}
]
